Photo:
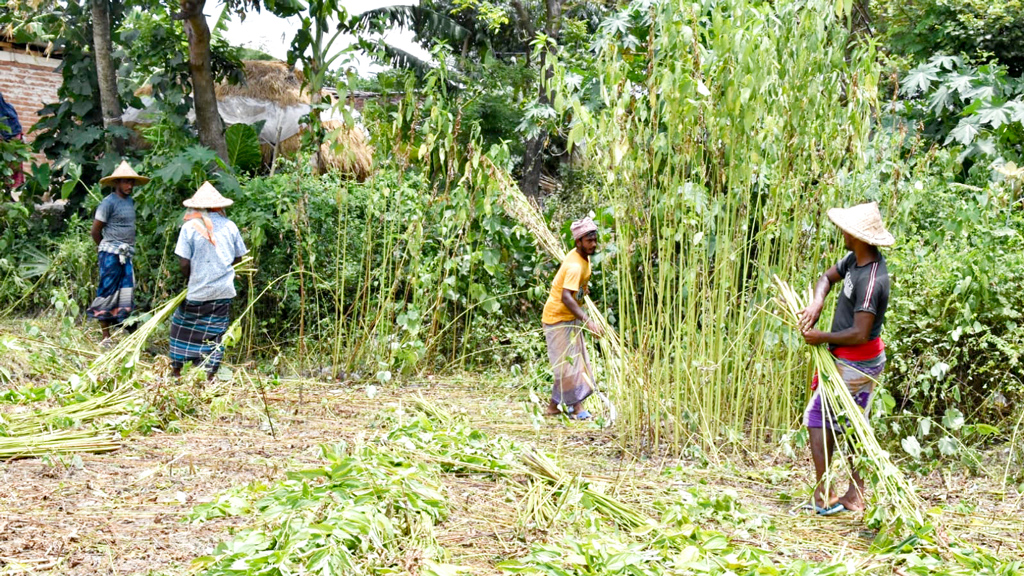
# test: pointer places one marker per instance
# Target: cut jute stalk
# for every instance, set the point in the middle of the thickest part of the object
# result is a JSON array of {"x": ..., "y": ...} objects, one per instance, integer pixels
[
  {"x": 30, "y": 434},
  {"x": 894, "y": 493}
]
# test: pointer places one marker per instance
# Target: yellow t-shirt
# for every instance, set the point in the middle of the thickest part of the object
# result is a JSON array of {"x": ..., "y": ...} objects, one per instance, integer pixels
[{"x": 574, "y": 273}]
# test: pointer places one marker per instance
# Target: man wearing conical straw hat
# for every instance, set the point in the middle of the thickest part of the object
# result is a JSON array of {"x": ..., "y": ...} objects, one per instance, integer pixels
[
  {"x": 564, "y": 321},
  {"x": 209, "y": 245},
  {"x": 855, "y": 339},
  {"x": 113, "y": 231}
]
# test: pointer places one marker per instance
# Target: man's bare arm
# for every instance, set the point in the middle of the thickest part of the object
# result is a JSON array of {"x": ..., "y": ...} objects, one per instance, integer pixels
[
  {"x": 855, "y": 335},
  {"x": 809, "y": 315},
  {"x": 570, "y": 302},
  {"x": 97, "y": 231},
  {"x": 186, "y": 267}
]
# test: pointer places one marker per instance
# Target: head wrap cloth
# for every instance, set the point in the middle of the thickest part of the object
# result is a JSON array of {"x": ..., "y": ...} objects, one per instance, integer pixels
[{"x": 581, "y": 228}]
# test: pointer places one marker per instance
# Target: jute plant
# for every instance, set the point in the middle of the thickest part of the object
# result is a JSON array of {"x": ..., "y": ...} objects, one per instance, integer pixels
[{"x": 722, "y": 137}]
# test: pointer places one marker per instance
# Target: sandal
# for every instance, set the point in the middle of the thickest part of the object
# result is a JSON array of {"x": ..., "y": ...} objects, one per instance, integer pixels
[{"x": 833, "y": 509}]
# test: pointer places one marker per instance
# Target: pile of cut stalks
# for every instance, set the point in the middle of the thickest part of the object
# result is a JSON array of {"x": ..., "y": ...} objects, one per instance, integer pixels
[{"x": 42, "y": 432}]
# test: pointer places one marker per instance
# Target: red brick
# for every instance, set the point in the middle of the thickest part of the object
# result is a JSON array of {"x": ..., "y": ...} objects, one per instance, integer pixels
[{"x": 28, "y": 88}]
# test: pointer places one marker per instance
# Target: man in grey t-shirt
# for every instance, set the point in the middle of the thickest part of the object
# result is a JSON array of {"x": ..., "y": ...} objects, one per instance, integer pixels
[{"x": 113, "y": 231}]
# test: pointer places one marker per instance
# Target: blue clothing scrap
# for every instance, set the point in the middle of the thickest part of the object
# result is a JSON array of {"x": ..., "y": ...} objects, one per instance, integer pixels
[
  {"x": 10, "y": 127},
  {"x": 114, "y": 300}
]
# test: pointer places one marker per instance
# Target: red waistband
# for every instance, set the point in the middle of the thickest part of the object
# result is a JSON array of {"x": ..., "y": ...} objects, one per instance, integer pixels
[{"x": 865, "y": 351}]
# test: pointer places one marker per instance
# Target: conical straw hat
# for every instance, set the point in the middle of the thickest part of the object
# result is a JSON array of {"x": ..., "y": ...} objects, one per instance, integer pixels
[
  {"x": 863, "y": 222},
  {"x": 123, "y": 172},
  {"x": 207, "y": 197}
]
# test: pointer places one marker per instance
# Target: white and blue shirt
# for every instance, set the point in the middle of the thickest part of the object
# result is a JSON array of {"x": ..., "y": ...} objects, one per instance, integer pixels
[{"x": 213, "y": 276}]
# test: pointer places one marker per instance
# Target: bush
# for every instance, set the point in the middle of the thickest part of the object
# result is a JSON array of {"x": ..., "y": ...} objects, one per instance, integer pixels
[
  {"x": 954, "y": 325},
  {"x": 380, "y": 276}
]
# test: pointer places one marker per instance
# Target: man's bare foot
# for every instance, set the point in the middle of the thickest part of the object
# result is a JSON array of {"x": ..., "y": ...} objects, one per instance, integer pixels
[
  {"x": 853, "y": 500},
  {"x": 832, "y": 499},
  {"x": 553, "y": 410}
]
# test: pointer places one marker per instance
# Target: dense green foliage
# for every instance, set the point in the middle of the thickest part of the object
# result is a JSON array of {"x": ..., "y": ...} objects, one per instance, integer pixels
[
  {"x": 718, "y": 169},
  {"x": 979, "y": 108},
  {"x": 708, "y": 170},
  {"x": 921, "y": 28},
  {"x": 955, "y": 328}
]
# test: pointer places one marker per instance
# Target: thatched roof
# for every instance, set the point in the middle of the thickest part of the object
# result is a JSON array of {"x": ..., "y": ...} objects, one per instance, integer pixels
[
  {"x": 268, "y": 80},
  {"x": 272, "y": 91},
  {"x": 348, "y": 153}
]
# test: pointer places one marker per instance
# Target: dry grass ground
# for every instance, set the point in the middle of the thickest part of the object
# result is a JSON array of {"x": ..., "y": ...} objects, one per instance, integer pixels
[{"x": 122, "y": 513}]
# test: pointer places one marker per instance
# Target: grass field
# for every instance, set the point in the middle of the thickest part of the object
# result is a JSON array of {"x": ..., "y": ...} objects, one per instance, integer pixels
[{"x": 127, "y": 512}]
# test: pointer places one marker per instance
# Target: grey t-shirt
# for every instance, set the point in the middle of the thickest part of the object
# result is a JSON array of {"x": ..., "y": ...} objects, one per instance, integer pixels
[
  {"x": 212, "y": 277},
  {"x": 119, "y": 216},
  {"x": 865, "y": 289}
]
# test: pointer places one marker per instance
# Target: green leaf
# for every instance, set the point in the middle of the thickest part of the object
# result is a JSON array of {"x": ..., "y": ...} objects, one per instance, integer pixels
[
  {"x": 947, "y": 62},
  {"x": 919, "y": 80},
  {"x": 924, "y": 426},
  {"x": 576, "y": 134},
  {"x": 953, "y": 419},
  {"x": 939, "y": 370},
  {"x": 948, "y": 446},
  {"x": 965, "y": 131},
  {"x": 1016, "y": 111},
  {"x": 491, "y": 257},
  {"x": 960, "y": 83},
  {"x": 200, "y": 155},
  {"x": 491, "y": 306},
  {"x": 994, "y": 116},
  {"x": 243, "y": 147},
  {"x": 984, "y": 429},
  {"x": 86, "y": 136},
  {"x": 177, "y": 169},
  {"x": 911, "y": 446},
  {"x": 940, "y": 101}
]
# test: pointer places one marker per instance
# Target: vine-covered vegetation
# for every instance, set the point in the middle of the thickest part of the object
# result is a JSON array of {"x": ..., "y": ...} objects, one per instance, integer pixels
[{"x": 707, "y": 140}]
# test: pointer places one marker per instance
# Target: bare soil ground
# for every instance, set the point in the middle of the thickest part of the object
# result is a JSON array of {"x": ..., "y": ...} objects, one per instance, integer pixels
[{"x": 122, "y": 513}]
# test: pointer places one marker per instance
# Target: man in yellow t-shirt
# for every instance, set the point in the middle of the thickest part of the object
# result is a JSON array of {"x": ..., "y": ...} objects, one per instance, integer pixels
[{"x": 564, "y": 321}]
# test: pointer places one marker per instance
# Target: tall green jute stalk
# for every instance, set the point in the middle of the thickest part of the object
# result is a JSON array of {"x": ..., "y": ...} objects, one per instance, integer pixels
[
  {"x": 894, "y": 493},
  {"x": 720, "y": 152}
]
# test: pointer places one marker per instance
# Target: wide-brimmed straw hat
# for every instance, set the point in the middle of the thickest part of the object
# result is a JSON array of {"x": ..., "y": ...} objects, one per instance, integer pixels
[
  {"x": 863, "y": 222},
  {"x": 207, "y": 197},
  {"x": 123, "y": 172}
]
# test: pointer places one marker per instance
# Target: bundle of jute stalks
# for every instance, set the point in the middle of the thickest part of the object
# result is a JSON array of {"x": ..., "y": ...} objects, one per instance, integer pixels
[
  {"x": 894, "y": 494},
  {"x": 32, "y": 433},
  {"x": 515, "y": 203}
]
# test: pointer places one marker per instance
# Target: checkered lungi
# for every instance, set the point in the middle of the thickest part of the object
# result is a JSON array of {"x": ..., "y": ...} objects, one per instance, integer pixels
[
  {"x": 196, "y": 332},
  {"x": 115, "y": 295}
]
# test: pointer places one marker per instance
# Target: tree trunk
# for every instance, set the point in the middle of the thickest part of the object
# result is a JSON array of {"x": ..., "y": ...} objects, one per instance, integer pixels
[
  {"x": 314, "y": 116},
  {"x": 110, "y": 104},
  {"x": 533, "y": 162},
  {"x": 533, "y": 156},
  {"x": 208, "y": 122}
]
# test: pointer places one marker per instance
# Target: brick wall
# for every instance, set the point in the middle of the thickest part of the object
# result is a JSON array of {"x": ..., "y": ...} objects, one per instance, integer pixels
[{"x": 28, "y": 83}]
